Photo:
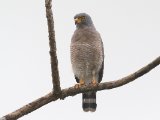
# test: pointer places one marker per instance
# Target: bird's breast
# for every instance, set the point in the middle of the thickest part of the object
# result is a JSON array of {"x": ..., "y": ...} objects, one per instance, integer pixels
[{"x": 85, "y": 58}]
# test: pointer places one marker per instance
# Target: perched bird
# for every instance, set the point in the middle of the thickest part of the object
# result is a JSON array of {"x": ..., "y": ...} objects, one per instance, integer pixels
[{"x": 87, "y": 58}]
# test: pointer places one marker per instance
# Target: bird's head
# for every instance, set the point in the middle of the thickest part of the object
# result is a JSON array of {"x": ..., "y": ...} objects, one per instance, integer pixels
[{"x": 82, "y": 19}]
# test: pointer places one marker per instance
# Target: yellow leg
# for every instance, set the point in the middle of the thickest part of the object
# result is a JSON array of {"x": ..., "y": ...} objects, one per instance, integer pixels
[
  {"x": 94, "y": 82},
  {"x": 81, "y": 83}
]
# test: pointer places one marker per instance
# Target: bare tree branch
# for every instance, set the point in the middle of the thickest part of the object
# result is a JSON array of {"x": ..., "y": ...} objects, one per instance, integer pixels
[
  {"x": 52, "y": 43},
  {"x": 30, "y": 107},
  {"x": 74, "y": 91},
  {"x": 55, "y": 95}
]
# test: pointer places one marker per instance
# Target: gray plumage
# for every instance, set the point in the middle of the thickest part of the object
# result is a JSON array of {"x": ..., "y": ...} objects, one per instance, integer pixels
[{"x": 87, "y": 57}]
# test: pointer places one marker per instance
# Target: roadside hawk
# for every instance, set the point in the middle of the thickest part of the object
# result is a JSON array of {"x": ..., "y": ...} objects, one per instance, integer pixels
[{"x": 87, "y": 58}]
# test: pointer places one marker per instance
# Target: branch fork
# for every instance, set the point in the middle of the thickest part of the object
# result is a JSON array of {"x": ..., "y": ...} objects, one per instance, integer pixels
[{"x": 57, "y": 93}]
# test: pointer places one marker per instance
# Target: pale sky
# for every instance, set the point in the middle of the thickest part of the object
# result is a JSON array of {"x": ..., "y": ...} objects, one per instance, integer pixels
[{"x": 131, "y": 35}]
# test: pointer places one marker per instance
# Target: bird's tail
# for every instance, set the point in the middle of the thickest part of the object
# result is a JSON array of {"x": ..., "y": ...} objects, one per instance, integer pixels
[{"x": 89, "y": 101}]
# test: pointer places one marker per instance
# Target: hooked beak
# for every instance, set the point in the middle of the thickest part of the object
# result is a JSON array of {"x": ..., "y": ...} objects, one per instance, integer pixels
[{"x": 77, "y": 20}]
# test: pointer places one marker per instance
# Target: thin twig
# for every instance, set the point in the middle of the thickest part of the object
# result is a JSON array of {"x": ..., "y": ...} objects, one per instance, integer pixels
[
  {"x": 74, "y": 91},
  {"x": 52, "y": 43}
]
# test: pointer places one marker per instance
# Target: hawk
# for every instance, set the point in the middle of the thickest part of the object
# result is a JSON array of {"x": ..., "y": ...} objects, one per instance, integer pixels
[{"x": 87, "y": 58}]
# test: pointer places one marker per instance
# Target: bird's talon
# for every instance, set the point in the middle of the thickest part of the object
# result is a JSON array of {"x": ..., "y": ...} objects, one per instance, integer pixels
[
  {"x": 94, "y": 82},
  {"x": 77, "y": 86},
  {"x": 82, "y": 82}
]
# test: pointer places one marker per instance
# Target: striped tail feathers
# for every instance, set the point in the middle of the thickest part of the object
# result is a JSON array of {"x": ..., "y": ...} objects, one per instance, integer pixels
[{"x": 89, "y": 101}]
